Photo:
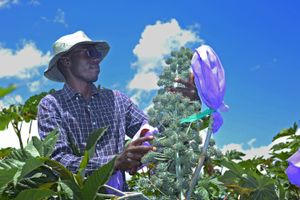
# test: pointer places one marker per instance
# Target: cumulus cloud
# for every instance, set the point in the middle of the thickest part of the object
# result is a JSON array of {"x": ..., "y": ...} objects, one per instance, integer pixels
[
  {"x": 10, "y": 100},
  {"x": 22, "y": 63},
  {"x": 34, "y": 86},
  {"x": 254, "y": 151},
  {"x": 34, "y": 2},
  {"x": 7, "y": 3},
  {"x": 37, "y": 84},
  {"x": 156, "y": 42},
  {"x": 144, "y": 81},
  {"x": 58, "y": 18}
]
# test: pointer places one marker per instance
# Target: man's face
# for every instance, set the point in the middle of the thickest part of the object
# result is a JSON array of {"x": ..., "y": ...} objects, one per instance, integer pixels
[{"x": 85, "y": 61}]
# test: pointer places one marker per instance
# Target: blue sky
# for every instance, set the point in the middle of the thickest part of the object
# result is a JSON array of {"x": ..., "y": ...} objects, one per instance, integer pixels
[{"x": 257, "y": 42}]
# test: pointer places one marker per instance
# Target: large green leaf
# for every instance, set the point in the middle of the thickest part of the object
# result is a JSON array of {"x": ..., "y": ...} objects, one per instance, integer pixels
[
  {"x": 5, "y": 152},
  {"x": 4, "y": 120},
  {"x": 30, "y": 165},
  {"x": 7, "y": 175},
  {"x": 20, "y": 155},
  {"x": 35, "y": 194},
  {"x": 97, "y": 179},
  {"x": 90, "y": 149},
  {"x": 9, "y": 163},
  {"x": 83, "y": 164},
  {"x": 236, "y": 169},
  {"x": 46, "y": 147},
  {"x": 286, "y": 132},
  {"x": 264, "y": 189},
  {"x": 5, "y": 91},
  {"x": 93, "y": 139},
  {"x": 77, "y": 195},
  {"x": 63, "y": 172}
]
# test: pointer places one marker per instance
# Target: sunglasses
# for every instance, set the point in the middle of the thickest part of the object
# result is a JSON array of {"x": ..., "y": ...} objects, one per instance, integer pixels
[{"x": 89, "y": 52}]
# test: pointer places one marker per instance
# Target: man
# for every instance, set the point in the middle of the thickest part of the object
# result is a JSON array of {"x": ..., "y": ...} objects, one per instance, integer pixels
[{"x": 80, "y": 108}]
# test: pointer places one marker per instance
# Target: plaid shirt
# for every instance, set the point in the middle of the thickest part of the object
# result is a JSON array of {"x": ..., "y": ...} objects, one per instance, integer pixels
[{"x": 77, "y": 117}]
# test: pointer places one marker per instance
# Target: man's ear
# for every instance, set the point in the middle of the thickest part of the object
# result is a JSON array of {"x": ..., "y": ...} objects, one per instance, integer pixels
[{"x": 65, "y": 61}]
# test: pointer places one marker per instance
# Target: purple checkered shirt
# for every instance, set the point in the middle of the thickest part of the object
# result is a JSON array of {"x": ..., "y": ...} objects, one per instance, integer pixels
[{"x": 76, "y": 118}]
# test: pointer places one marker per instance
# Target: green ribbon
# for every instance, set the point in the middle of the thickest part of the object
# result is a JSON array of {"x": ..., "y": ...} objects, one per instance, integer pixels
[{"x": 197, "y": 116}]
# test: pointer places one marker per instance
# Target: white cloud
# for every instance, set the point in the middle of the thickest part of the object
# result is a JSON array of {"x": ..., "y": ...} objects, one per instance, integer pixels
[
  {"x": 144, "y": 81},
  {"x": 156, "y": 42},
  {"x": 159, "y": 40},
  {"x": 22, "y": 63},
  {"x": 250, "y": 153},
  {"x": 11, "y": 140},
  {"x": 7, "y": 3},
  {"x": 10, "y": 100},
  {"x": 34, "y": 2},
  {"x": 34, "y": 86},
  {"x": 255, "y": 151},
  {"x": 58, "y": 18}
]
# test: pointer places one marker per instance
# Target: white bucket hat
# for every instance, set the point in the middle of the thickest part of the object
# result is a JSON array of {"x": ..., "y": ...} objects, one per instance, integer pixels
[{"x": 65, "y": 44}]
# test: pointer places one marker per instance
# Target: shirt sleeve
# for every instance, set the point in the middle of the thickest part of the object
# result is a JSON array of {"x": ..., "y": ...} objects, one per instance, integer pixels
[
  {"x": 135, "y": 117},
  {"x": 50, "y": 118}
]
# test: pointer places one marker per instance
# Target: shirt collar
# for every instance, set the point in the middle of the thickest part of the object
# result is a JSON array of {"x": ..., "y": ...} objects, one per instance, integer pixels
[{"x": 70, "y": 93}]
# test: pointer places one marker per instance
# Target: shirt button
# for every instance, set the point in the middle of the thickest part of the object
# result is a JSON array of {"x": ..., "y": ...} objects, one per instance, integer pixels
[
  {"x": 94, "y": 123},
  {"x": 77, "y": 98}
]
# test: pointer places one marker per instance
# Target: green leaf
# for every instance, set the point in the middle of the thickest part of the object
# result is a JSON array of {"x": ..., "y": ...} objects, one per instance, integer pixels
[
  {"x": 97, "y": 179},
  {"x": 46, "y": 147},
  {"x": 63, "y": 172},
  {"x": 5, "y": 91},
  {"x": 7, "y": 175},
  {"x": 30, "y": 165},
  {"x": 90, "y": 150},
  {"x": 286, "y": 132},
  {"x": 264, "y": 189},
  {"x": 83, "y": 164},
  {"x": 75, "y": 189},
  {"x": 236, "y": 169},
  {"x": 35, "y": 194},
  {"x": 5, "y": 152},
  {"x": 234, "y": 155},
  {"x": 9, "y": 163},
  {"x": 4, "y": 120},
  {"x": 93, "y": 139},
  {"x": 203, "y": 193}
]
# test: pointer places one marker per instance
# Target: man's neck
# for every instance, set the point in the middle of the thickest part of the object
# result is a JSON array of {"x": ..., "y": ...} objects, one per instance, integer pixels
[{"x": 83, "y": 88}]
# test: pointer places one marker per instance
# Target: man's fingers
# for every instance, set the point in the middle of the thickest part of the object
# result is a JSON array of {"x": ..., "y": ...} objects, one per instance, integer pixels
[
  {"x": 134, "y": 156},
  {"x": 140, "y": 149},
  {"x": 140, "y": 140}
]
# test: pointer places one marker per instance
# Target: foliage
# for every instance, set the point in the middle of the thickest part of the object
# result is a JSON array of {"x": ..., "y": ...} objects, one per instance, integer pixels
[
  {"x": 17, "y": 114},
  {"x": 7, "y": 90},
  {"x": 30, "y": 173}
]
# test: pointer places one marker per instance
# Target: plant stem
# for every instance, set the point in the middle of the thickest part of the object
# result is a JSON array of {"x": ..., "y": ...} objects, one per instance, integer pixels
[
  {"x": 201, "y": 160},
  {"x": 18, "y": 133},
  {"x": 30, "y": 126}
]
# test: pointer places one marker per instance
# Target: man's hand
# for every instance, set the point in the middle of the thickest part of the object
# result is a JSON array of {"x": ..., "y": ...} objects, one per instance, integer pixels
[
  {"x": 189, "y": 90},
  {"x": 130, "y": 158}
]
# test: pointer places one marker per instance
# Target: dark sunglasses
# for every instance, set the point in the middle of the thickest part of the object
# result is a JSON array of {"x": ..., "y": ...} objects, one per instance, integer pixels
[{"x": 89, "y": 52}]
